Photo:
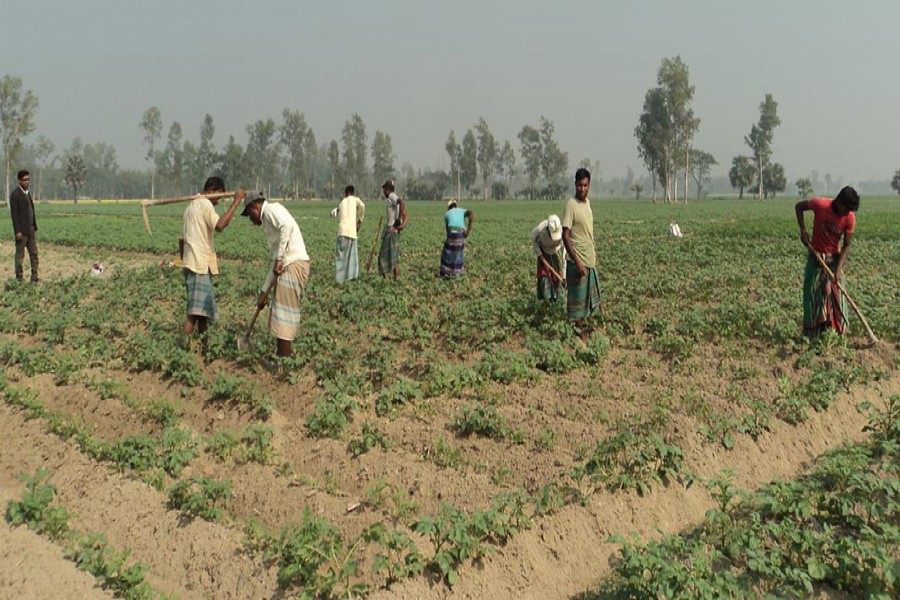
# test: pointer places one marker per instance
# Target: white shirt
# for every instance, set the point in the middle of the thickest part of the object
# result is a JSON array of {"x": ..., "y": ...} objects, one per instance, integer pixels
[
  {"x": 393, "y": 209},
  {"x": 283, "y": 235},
  {"x": 349, "y": 211},
  {"x": 541, "y": 240}
]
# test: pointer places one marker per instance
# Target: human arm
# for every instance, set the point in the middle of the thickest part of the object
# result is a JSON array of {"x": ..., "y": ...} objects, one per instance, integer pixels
[
  {"x": 360, "y": 213},
  {"x": 800, "y": 208},
  {"x": 404, "y": 218},
  {"x": 845, "y": 249},
  {"x": 225, "y": 219},
  {"x": 18, "y": 216},
  {"x": 567, "y": 242},
  {"x": 470, "y": 216},
  {"x": 181, "y": 249}
]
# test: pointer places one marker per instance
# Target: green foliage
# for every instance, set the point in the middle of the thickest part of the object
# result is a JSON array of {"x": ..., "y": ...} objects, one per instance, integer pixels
[
  {"x": 228, "y": 388},
  {"x": 484, "y": 421},
  {"x": 399, "y": 558},
  {"x": 330, "y": 416},
  {"x": 222, "y": 443},
  {"x": 94, "y": 555},
  {"x": 370, "y": 436},
  {"x": 200, "y": 497},
  {"x": 441, "y": 454},
  {"x": 34, "y": 509},
  {"x": 399, "y": 393},
  {"x": 256, "y": 444}
]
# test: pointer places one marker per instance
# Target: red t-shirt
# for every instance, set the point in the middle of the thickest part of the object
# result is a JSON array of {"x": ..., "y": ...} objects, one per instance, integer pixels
[{"x": 828, "y": 226}]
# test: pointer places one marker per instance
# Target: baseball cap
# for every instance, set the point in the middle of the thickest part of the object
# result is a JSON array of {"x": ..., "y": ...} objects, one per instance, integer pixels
[
  {"x": 554, "y": 227},
  {"x": 251, "y": 197}
]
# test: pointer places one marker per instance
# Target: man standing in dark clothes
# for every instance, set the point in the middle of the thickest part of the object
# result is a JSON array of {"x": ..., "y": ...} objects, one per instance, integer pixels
[{"x": 21, "y": 207}]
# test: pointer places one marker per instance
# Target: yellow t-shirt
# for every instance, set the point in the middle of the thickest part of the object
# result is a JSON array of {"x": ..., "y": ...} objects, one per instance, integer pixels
[
  {"x": 579, "y": 219},
  {"x": 200, "y": 219}
]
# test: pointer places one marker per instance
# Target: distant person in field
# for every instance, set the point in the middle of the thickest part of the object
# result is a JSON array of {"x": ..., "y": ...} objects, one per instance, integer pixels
[
  {"x": 21, "y": 208},
  {"x": 349, "y": 213},
  {"x": 290, "y": 264},
  {"x": 389, "y": 254},
  {"x": 546, "y": 241},
  {"x": 578, "y": 237},
  {"x": 458, "y": 223},
  {"x": 823, "y": 304},
  {"x": 198, "y": 253}
]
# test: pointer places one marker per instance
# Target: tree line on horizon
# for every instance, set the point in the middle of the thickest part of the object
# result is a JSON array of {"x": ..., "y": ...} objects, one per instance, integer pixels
[{"x": 285, "y": 159}]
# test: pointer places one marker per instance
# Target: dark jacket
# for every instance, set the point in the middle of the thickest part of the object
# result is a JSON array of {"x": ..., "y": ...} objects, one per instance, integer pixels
[{"x": 22, "y": 210}]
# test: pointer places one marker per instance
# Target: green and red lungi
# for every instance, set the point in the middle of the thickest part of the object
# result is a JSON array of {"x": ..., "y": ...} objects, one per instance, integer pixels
[{"x": 824, "y": 305}]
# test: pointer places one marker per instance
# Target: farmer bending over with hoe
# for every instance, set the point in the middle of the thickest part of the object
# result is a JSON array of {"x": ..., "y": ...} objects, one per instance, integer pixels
[
  {"x": 458, "y": 223},
  {"x": 578, "y": 237},
  {"x": 546, "y": 241},
  {"x": 198, "y": 253},
  {"x": 290, "y": 264},
  {"x": 823, "y": 304}
]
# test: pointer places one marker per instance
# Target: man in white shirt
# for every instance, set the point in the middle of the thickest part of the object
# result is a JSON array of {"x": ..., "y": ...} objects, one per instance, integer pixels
[
  {"x": 198, "y": 253},
  {"x": 349, "y": 213},
  {"x": 389, "y": 254},
  {"x": 290, "y": 265}
]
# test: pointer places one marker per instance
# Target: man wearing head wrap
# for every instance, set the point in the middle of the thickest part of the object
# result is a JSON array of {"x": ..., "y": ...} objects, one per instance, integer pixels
[{"x": 546, "y": 241}]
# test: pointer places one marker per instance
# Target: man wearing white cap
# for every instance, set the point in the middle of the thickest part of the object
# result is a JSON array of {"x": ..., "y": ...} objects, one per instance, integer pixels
[
  {"x": 546, "y": 241},
  {"x": 458, "y": 223},
  {"x": 290, "y": 264}
]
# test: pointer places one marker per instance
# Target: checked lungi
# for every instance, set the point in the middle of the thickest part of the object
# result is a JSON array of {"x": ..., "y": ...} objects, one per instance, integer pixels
[
  {"x": 284, "y": 316},
  {"x": 824, "y": 305},
  {"x": 453, "y": 257},
  {"x": 547, "y": 283},
  {"x": 583, "y": 293},
  {"x": 389, "y": 254},
  {"x": 200, "y": 299},
  {"x": 346, "y": 259}
]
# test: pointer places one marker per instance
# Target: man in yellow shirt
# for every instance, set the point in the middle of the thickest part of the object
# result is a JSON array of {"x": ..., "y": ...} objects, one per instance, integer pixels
[
  {"x": 581, "y": 262},
  {"x": 349, "y": 213},
  {"x": 198, "y": 253}
]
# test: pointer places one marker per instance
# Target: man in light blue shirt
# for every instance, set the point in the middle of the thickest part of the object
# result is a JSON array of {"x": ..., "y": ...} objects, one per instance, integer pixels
[{"x": 458, "y": 222}]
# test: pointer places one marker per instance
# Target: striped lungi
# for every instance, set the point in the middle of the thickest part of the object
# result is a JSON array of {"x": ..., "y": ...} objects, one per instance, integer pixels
[
  {"x": 200, "y": 299},
  {"x": 548, "y": 283},
  {"x": 453, "y": 257},
  {"x": 389, "y": 254},
  {"x": 823, "y": 303},
  {"x": 346, "y": 259},
  {"x": 284, "y": 316},
  {"x": 583, "y": 293}
]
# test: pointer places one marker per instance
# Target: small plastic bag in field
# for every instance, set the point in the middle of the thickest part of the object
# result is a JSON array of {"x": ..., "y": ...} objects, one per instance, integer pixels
[
  {"x": 97, "y": 269},
  {"x": 674, "y": 230}
]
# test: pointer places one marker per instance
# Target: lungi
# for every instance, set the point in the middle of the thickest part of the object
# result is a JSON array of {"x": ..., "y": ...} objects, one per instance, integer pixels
[
  {"x": 389, "y": 254},
  {"x": 584, "y": 292},
  {"x": 200, "y": 299},
  {"x": 453, "y": 257},
  {"x": 284, "y": 315},
  {"x": 547, "y": 282},
  {"x": 346, "y": 259},
  {"x": 823, "y": 304}
]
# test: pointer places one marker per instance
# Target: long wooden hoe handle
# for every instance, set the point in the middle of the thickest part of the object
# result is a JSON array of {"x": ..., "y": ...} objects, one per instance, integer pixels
[
  {"x": 258, "y": 309},
  {"x": 869, "y": 333},
  {"x": 374, "y": 242},
  {"x": 161, "y": 201},
  {"x": 552, "y": 270}
]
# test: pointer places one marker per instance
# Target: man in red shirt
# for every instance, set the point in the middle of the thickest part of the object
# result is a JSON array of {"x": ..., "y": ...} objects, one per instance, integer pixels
[{"x": 823, "y": 304}]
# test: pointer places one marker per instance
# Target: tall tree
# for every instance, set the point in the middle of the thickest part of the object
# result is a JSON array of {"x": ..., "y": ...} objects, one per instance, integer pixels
[
  {"x": 17, "y": 109},
  {"x": 701, "y": 163},
  {"x": 233, "y": 168},
  {"x": 742, "y": 173},
  {"x": 554, "y": 162},
  {"x": 468, "y": 160},
  {"x": 488, "y": 150},
  {"x": 506, "y": 164},
  {"x": 43, "y": 150},
  {"x": 895, "y": 182},
  {"x": 102, "y": 169},
  {"x": 674, "y": 79},
  {"x": 654, "y": 136},
  {"x": 292, "y": 135},
  {"x": 174, "y": 158},
  {"x": 311, "y": 158},
  {"x": 382, "y": 156},
  {"x": 334, "y": 162},
  {"x": 532, "y": 154},
  {"x": 760, "y": 139},
  {"x": 151, "y": 125},
  {"x": 355, "y": 143},
  {"x": 76, "y": 173},
  {"x": 455, "y": 151},
  {"x": 262, "y": 153},
  {"x": 206, "y": 152}
]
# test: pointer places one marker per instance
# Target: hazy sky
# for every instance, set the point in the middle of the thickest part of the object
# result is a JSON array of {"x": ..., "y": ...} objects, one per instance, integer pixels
[{"x": 417, "y": 69}]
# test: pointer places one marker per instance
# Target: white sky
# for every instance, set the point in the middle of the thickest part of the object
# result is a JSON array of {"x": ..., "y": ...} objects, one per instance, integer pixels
[{"x": 417, "y": 69}]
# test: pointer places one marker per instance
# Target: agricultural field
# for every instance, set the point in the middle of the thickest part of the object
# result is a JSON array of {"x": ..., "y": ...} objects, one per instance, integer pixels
[{"x": 434, "y": 438}]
